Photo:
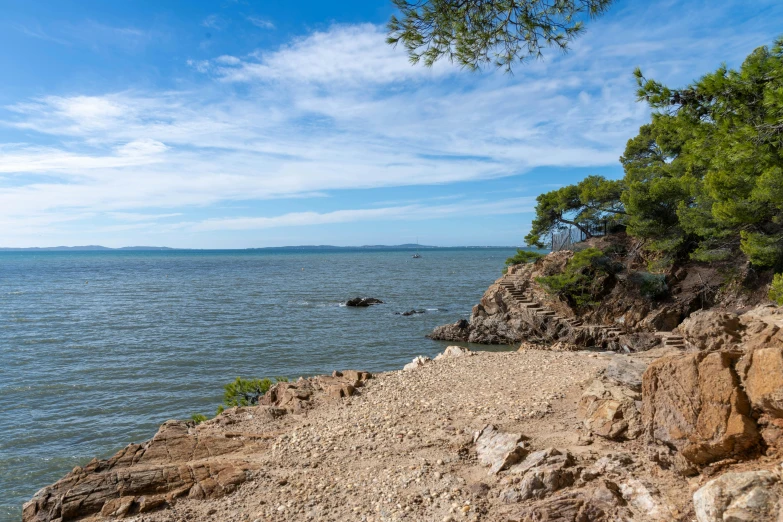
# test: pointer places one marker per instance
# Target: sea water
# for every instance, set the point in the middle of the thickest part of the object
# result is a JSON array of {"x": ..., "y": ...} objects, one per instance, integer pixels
[{"x": 99, "y": 348}]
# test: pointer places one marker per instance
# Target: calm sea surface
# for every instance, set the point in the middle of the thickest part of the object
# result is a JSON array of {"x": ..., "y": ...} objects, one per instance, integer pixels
[{"x": 99, "y": 348}]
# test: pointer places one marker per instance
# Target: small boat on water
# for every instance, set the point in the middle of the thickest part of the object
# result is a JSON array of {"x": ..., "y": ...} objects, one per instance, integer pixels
[{"x": 417, "y": 255}]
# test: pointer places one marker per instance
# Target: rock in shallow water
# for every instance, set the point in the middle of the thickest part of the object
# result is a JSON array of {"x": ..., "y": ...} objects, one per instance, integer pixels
[{"x": 363, "y": 301}]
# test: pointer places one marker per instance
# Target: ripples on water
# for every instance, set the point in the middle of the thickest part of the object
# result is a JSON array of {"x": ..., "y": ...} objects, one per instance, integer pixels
[{"x": 99, "y": 348}]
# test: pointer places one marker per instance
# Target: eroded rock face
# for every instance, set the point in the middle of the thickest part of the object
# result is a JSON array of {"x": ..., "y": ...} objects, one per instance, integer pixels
[
  {"x": 611, "y": 411},
  {"x": 600, "y": 503},
  {"x": 749, "y": 496},
  {"x": 543, "y": 472},
  {"x": 498, "y": 450},
  {"x": 181, "y": 460},
  {"x": 694, "y": 403},
  {"x": 711, "y": 330},
  {"x": 178, "y": 461},
  {"x": 295, "y": 397}
]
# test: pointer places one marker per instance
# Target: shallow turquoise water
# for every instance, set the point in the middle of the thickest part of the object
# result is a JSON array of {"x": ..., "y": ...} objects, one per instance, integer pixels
[{"x": 99, "y": 348}]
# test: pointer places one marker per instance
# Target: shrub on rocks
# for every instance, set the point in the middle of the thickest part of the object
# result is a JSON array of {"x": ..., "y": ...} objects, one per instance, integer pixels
[
  {"x": 776, "y": 289},
  {"x": 246, "y": 392}
]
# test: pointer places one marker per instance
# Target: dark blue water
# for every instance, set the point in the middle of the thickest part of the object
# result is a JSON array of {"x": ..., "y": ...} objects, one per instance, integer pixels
[{"x": 99, "y": 348}]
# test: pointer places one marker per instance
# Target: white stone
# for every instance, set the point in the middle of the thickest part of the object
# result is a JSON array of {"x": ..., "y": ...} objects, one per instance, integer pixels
[
  {"x": 417, "y": 362},
  {"x": 739, "y": 497}
]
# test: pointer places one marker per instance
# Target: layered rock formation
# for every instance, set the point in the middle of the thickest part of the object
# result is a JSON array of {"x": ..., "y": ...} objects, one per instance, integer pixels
[
  {"x": 723, "y": 399},
  {"x": 182, "y": 460}
]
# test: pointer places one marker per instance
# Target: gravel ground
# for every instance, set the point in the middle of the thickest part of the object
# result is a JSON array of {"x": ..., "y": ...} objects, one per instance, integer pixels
[{"x": 402, "y": 449}]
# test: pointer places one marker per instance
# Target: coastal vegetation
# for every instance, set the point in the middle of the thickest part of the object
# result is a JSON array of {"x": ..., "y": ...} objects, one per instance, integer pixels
[
  {"x": 522, "y": 257},
  {"x": 246, "y": 392},
  {"x": 499, "y": 33},
  {"x": 703, "y": 180},
  {"x": 582, "y": 281},
  {"x": 776, "y": 289}
]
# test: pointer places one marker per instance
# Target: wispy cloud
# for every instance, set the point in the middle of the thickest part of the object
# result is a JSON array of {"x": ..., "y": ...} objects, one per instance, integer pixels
[
  {"x": 90, "y": 33},
  {"x": 396, "y": 213},
  {"x": 40, "y": 34},
  {"x": 340, "y": 109},
  {"x": 214, "y": 21},
  {"x": 263, "y": 23}
]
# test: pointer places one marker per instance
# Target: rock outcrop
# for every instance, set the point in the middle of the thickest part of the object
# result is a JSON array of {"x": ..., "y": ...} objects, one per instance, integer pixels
[
  {"x": 183, "y": 460},
  {"x": 179, "y": 461},
  {"x": 749, "y": 496},
  {"x": 610, "y": 410},
  {"x": 363, "y": 302},
  {"x": 726, "y": 399},
  {"x": 694, "y": 403},
  {"x": 499, "y": 450}
]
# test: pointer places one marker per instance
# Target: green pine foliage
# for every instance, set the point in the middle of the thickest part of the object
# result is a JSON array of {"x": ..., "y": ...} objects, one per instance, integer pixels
[
  {"x": 776, "y": 289},
  {"x": 582, "y": 281},
  {"x": 523, "y": 256},
  {"x": 704, "y": 179},
  {"x": 473, "y": 33},
  {"x": 246, "y": 392},
  {"x": 586, "y": 206},
  {"x": 198, "y": 418}
]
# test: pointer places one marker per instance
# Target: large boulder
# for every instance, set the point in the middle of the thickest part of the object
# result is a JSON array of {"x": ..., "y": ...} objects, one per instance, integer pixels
[
  {"x": 739, "y": 497},
  {"x": 611, "y": 411},
  {"x": 295, "y": 397},
  {"x": 761, "y": 371},
  {"x": 694, "y": 403},
  {"x": 711, "y": 330}
]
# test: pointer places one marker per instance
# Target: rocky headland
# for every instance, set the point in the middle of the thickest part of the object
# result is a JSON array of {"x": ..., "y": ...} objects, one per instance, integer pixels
[{"x": 589, "y": 420}]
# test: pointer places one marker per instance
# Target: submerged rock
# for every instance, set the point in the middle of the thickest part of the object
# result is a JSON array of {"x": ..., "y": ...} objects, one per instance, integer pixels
[{"x": 410, "y": 312}]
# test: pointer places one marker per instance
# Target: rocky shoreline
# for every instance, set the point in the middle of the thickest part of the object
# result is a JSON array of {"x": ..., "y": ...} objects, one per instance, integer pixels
[{"x": 683, "y": 425}]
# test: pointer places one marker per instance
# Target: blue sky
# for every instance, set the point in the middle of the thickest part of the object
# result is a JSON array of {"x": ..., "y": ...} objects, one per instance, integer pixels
[{"x": 232, "y": 124}]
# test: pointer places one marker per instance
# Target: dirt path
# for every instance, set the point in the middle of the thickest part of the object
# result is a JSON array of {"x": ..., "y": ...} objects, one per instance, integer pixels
[{"x": 403, "y": 448}]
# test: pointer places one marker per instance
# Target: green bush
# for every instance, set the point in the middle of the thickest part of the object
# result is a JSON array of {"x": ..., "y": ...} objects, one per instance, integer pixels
[
  {"x": 198, "y": 418},
  {"x": 776, "y": 289},
  {"x": 582, "y": 280},
  {"x": 523, "y": 256},
  {"x": 246, "y": 392},
  {"x": 652, "y": 286}
]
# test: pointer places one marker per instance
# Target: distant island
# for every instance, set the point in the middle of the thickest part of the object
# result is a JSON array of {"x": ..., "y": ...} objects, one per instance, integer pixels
[{"x": 91, "y": 248}]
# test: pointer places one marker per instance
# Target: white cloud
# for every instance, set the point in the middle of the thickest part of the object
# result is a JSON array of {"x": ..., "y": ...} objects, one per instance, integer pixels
[
  {"x": 138, "y": 217},
  {"x": 340, "y": 109},
  {"x": 407, "y": 212}
]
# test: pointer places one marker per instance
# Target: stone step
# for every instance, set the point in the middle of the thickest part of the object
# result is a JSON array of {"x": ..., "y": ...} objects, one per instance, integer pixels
[{"x": 546, "y": 312}]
